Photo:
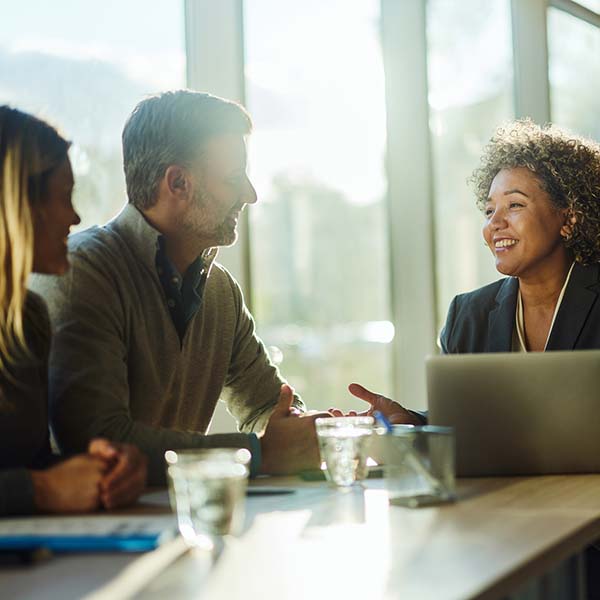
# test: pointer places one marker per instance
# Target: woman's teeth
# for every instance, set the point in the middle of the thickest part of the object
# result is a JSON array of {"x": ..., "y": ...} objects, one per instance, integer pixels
[{"x": 504, "y": 243}]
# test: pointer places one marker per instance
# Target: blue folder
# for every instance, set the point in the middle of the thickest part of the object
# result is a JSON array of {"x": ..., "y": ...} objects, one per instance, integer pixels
[
  {"x": 82, "y": 543},
  {"x": 93, "y": 533}
]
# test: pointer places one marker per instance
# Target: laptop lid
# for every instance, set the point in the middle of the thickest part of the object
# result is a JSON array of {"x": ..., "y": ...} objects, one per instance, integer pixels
[{"x": 519, "y": 414}]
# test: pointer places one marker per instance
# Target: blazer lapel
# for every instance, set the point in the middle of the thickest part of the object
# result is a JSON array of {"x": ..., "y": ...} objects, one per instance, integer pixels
[
  {"x": 579, "y": 298},
  {"x": 501, "y": 320}
]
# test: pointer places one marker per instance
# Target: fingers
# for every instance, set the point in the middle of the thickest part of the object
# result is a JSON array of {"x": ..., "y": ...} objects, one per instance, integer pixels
[
  {"x": 315, "y": 414},
  {"x": 124, "y": 494},
  {"x": 404, "y": 417},
  {"x": 72, "y": 486},
  {"x": 363, "y": 393},
  {"x": 85, "y": 464},
  {"x": 336, "y": 412},
  {"x": 102, "y": 448},
  {"x": 130, "y": 463},
  {"x": 284, "y": 404},
  {"x": 125, "y": 491},
  {"x": 119, "y": 472}
]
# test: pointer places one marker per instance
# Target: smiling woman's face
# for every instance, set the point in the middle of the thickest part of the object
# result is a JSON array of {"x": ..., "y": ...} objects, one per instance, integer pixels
[
  {"x": 522, "y": 226},
  {"x": 53, "y": 217}
]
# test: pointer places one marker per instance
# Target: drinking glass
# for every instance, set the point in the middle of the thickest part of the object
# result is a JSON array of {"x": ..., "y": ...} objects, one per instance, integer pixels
[
  {"x": 207, "y": 492},
  {"x": 344, "y": 445},
  {"x": 419, "y": 464}
]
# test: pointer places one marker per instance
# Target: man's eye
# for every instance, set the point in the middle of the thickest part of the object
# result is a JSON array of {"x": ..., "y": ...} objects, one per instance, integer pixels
[
  {"x": 488, "y": 212},
  {"x": 516, "y": 205}
]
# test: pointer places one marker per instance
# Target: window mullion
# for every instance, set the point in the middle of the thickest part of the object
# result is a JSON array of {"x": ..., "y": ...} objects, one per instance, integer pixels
[{"x": 214, "y": 34}]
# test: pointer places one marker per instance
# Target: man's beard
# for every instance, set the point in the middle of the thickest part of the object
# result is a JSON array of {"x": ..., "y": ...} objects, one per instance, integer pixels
[
  {"x": 200, "y": 221},
  {"x": 225, "y": 233}
]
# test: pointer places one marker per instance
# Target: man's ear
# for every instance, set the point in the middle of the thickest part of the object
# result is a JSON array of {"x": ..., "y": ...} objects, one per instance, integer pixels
[{"x": 177, "y": 181}]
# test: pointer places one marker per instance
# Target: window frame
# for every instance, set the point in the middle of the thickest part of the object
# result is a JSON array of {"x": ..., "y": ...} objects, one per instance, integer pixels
[{"x": 410, "y": 197}]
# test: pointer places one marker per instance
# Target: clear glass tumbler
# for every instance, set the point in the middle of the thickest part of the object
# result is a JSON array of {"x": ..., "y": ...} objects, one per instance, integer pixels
[
  {"x": 419, "y": 464},
  {"x": 207, "y": 491},
  {"x": 344, "y": 445}
]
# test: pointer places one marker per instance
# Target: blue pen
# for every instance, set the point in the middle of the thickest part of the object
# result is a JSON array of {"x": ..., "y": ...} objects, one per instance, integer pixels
[{"x": 382, "y": 419}]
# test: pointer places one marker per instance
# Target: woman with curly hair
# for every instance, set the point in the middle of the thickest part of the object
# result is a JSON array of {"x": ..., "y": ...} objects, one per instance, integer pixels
[
  {"x": 539, "y": 191},
  {"x": 36, "y": 214}
]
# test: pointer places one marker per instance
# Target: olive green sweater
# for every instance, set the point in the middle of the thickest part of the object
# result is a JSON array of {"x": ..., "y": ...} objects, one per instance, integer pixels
[{"x": 118, "y": 368}]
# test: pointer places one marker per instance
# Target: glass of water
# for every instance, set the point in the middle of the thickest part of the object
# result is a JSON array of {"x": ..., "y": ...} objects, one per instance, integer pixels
[
  {"x": 418, "y": 464},
  {"x": 344, "y": 445},
  {"x": 207, "y": 491}
]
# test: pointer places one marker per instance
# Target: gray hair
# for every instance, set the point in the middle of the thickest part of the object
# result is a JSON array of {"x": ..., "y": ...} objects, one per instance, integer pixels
[{"x": 169, "y": 129}]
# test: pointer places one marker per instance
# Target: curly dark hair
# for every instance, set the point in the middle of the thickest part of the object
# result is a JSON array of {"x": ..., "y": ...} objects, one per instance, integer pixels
[{"x": 568, "y": 168}]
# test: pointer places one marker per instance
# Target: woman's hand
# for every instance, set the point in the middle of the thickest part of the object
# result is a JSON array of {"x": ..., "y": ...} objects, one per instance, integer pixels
[
  {"x": 110, "y": 475},
  {"x": 71, "y": 486},
  {"x": 392, "y": 410},
  {"x": 125, "y": 478}
]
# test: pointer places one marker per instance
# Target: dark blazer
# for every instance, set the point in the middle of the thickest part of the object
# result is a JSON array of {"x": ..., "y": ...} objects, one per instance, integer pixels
[{"x": 483, "y": 320}]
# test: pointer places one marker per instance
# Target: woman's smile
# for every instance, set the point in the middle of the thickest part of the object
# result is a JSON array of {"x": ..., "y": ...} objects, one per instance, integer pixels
[{"x": 504, "y": 244}]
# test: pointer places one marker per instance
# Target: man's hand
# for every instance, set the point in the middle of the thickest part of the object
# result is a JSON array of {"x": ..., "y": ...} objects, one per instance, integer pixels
[
  {"x": 71, "y": 486},
  {"x": 125, "y": 478},
  {"x": 392, "y": 410},
  {"x": 289, "y": 443}
]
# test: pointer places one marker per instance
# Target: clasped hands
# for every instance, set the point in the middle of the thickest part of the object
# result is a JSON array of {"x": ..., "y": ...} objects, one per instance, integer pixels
[{"x": 110, "y": 474}]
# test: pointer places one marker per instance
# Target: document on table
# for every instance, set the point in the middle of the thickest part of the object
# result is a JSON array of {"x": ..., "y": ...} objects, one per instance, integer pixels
[{"x": 86, "y": 533}]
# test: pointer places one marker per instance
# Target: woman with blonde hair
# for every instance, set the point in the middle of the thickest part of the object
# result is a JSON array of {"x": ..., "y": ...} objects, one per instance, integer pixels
[{"x": 36, "y": 214}]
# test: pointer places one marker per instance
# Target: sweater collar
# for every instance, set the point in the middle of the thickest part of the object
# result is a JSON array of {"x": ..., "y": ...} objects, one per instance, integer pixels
[{"x": 143, "y": 239}]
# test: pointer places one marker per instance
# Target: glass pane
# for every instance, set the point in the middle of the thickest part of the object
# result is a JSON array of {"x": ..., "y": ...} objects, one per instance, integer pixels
[
  {"x": 574, "y": 65},
  {"x": 84, "y": 66},
  {"x": 315, "y": 89},
  {"x": 470, "y": 94},
  {"x": 591, "y": 4}
]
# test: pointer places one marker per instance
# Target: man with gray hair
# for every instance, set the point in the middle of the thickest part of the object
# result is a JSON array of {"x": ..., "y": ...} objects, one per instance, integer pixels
[{"x": 150, "y": 331}]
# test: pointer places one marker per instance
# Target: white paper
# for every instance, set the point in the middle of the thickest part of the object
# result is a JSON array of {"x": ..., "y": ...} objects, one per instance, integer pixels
[{"x": 97, "y": 525}]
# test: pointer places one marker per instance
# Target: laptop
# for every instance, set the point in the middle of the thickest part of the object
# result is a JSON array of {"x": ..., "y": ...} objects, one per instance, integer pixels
[{"x": 519, "y": 414}]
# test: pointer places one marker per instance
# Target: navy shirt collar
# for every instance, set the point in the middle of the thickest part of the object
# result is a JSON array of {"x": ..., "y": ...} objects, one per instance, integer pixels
[{"x": 183, "y": 293}]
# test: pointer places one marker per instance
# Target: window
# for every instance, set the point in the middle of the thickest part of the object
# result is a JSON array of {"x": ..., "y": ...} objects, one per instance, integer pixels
[
  {"x": 574, "y": 70},
  {"x": 84, "y": 66},
  {"x": 470, "y": 94},
  {"x": 316, "y": 266},
  {"x": 315, "y": 89},
  {"x": 591, "y": 4}
]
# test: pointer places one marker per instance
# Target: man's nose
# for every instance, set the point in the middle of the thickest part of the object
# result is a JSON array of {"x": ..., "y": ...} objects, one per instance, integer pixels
[{"x": 249, "y": 194}]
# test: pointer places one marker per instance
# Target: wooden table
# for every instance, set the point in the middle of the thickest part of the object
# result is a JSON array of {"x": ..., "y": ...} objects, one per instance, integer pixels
[{"x": 322, "y": 543}]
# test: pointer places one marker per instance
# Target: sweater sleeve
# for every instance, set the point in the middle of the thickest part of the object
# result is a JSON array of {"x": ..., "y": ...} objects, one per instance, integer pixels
[
  {"x": 253, "y": 383},
  {"x": 88, "y": 384},
  {"x": 16, "y": 492}
]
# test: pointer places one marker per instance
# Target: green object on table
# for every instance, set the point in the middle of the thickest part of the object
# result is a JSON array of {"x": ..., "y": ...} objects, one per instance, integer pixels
[{"x": 319, "y": 475}]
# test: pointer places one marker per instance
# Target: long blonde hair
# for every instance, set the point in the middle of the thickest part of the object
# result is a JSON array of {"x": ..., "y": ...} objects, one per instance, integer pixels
[{"x": 30, "y": 150}]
